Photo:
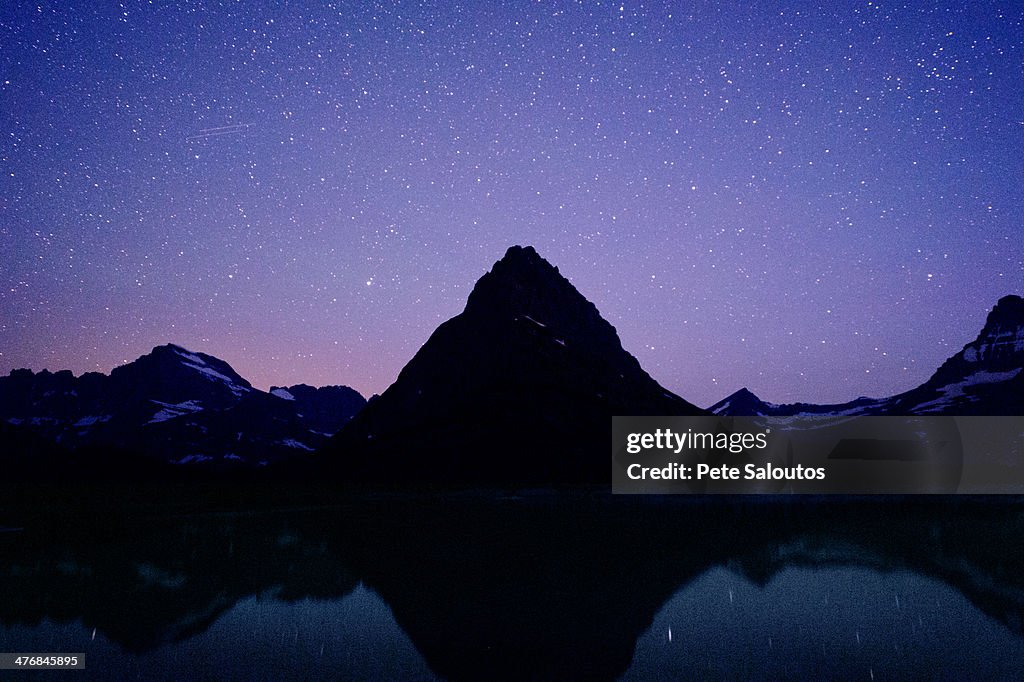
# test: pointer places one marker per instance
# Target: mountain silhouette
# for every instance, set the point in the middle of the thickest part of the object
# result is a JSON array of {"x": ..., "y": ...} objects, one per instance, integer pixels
[
  {"x": 985, "y": 378},
  {"x": 519, "y": 388},
  {"x": 172, "y": 406}
]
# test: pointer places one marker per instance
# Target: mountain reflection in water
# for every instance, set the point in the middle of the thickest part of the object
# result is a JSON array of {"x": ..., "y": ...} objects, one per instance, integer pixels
[{"x": 545, "y": 587}]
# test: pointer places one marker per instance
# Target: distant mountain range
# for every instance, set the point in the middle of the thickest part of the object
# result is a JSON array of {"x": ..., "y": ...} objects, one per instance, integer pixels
[
  {"x": 985, "y": 378},
  {"x": 174, "y": 406},
  {"x": 519, "y": 388}
]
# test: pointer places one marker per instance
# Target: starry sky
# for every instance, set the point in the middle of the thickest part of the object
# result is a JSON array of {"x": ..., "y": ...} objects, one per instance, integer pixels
[{"x": 814, "y": 200}]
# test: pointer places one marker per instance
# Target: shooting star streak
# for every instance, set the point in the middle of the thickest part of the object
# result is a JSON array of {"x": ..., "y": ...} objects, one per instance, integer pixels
[
  {"x": 230, "y": 127},
  {"x": 221, "y": 130}
]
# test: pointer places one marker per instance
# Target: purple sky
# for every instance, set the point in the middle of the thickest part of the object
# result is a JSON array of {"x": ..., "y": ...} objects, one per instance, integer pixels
[{"x": 814, "y": 203}]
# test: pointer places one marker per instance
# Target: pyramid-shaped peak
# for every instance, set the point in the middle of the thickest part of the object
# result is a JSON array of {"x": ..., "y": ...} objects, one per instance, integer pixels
[
  {"x": 522, "y": 265},
  {"x": 523, "y": 256},
  {"x": 523, "y": 283},
  {"x": 529, "y": 373}
]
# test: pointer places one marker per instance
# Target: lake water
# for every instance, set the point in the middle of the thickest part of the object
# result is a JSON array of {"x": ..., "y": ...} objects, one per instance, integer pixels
[{"x": 536, "y": 587}]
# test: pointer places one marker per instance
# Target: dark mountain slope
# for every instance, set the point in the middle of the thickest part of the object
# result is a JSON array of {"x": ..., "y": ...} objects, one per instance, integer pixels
[{"x": 519, "y": 388}]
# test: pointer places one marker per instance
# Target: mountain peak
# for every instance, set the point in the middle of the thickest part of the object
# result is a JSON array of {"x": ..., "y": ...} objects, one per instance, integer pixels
[
  {"x": 521, "y": 268},
  {"x": 173, "y": 351},
  {"x": 166, "y": 348},
  {"x": 741, "y": 402},
  {"x": 996, "y": 356},
  {"x": 519, "y": 387},
  {"x": 524, "y": 263},
  {"x": 172, "y": 371},
  {"x": 1002, "y": 337},
  {"x": 523, "y": 254},
  {"x": 1008, "y": 312},
  {"x": 525, "y": 288}
]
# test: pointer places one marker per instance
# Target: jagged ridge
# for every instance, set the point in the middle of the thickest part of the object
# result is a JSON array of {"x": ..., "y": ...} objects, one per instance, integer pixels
[{"x": 170, "y": 405}]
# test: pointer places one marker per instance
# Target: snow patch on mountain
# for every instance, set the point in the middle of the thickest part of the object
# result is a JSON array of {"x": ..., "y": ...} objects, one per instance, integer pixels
[
  {"x": 193, "y": 459},
  {"x": 191, "y": 357},
  {"x": 282, "y": 393},
  {"x": 859, "y": 410},
  {"x": 89, "y": 421},
  {"x": 953, "y": 392},
  {"x": 210, "y": 373},
  {"x": 170, "y": 411},
  {"x": 1004, "y": 340},
  {"x": 530, "y": 319},
  {"x": 214, "y": 375}
]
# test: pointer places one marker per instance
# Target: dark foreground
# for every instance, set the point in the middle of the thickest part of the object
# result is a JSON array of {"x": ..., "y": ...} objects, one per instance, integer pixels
[{"x": 267, "y": 584}]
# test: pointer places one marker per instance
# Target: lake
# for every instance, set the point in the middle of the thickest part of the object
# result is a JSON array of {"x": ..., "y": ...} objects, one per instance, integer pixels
[{"x": 536, "y": 586}]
